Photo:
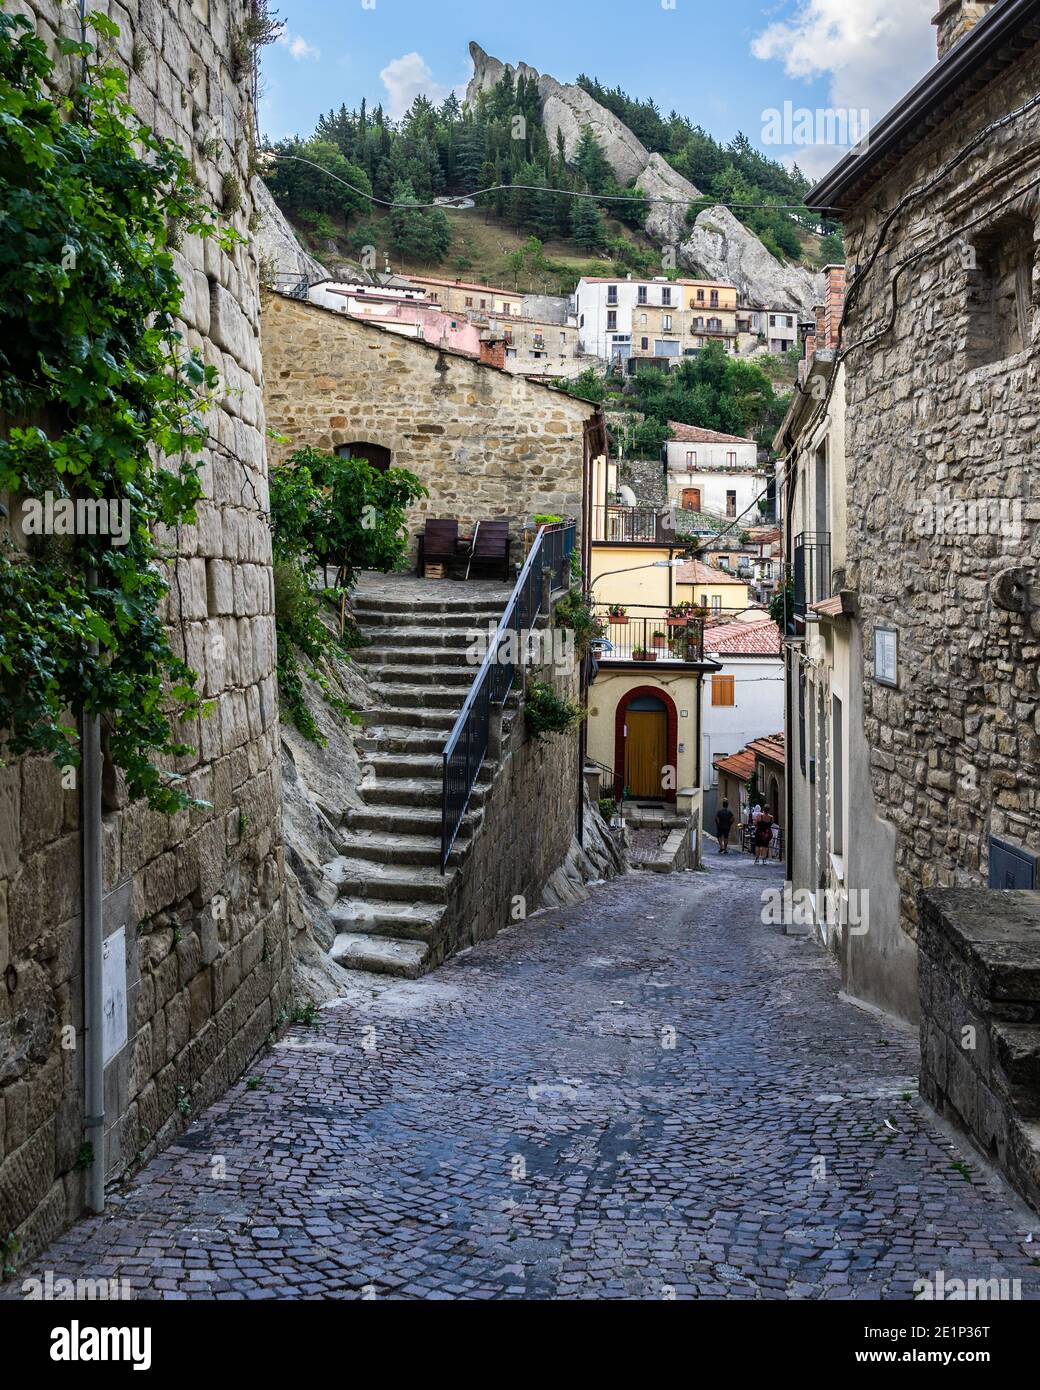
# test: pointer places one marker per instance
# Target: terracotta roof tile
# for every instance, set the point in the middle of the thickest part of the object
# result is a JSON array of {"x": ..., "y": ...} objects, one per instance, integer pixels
[
  {"x": 743, "y": 639},
  {"x": 694, "y": 434}
]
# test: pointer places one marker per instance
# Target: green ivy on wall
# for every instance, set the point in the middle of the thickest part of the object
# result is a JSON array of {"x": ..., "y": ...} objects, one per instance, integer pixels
[{"x": 99, "y": 402}]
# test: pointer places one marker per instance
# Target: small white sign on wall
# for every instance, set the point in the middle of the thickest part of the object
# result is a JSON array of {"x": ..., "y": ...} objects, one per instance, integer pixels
[
  {"x": 113, "y": 994},
  {"x": 886, "y": 655}
]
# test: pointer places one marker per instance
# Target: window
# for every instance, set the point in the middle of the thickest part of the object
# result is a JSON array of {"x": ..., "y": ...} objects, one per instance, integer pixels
[
  {"x": 469, "y": 301},
  {"x": 722, "y": 692},
  {"x": 642, "y": 319},
  {"x": 611, "y": 318},
  {"x": 700, "y": 296},
  {"x": 666, "y": 295},
  {"x": 644, "y": 343},
  {"x": 714, "y": 299},
  {"x": 612, "y": 294},
  {"x": 714, "y": 325},
  {"x": 667, "y": 323},
  {"x": 483, "y": 303},
  {"x": 691, "y": 458},
  {"x": 581, "y": 321},
  {"x": 772, "y": 320},
  {"x": 731, "y": 458},
  {"x": 1000, "y": 274},
  {"x": 641, "y": 296},
  {"x": 716, "y": 605}
]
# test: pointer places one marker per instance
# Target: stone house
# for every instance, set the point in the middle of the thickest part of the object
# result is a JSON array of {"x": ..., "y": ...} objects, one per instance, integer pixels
[
  {"x": 713, "y": 473},
  {"x": 195, "y": 937},
  {"x": 939, "y": 344},
  {"x": 484, "y": 442}
]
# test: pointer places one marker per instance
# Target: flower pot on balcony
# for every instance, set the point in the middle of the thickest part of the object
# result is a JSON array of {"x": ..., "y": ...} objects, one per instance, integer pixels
[
  {"x": 640, "y": 654},
  {"x": 658, "y": 640},
  {"x": 614, "y": 619},
  {"x": 677, "y": 622}
]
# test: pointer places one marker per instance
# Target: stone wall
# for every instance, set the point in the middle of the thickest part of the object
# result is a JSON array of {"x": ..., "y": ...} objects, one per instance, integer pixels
[
  {"x": 954, "y": 748},
  {"x": 979, "y": 969},
  {"x": 528, "y": 823},
  {"x": 199, "y": 897},
  {"x": 485, "y": 443}
]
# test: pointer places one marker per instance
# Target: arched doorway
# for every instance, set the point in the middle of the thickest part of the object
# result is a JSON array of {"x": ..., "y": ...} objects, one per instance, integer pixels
[
  {"x": 376, "y": 454},
  {"x": 774, "y": 800},
  {"x": 646, "y": 741}
]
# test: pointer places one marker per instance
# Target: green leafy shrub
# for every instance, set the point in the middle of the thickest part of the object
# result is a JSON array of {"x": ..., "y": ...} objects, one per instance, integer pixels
[
  {"x": 102, "y": 403},
  {"x": 575, "y": 611},
  {"x": 546, "y": 713},
  {"x": 328, "y": 512}
]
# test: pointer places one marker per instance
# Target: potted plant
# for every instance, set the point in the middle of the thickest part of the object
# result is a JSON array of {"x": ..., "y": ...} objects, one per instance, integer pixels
[
  {"x": 679, "y": 614},
  {"x": 658, "y": 640},
  {"x": 641, "y": 654},
  {"x": 617, "y": 614}
]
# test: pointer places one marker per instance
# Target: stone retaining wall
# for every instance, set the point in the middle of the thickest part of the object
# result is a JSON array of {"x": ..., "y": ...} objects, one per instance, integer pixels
[
  {"x": 199, "y": 897},
  {"x": 979, "y": 973}
]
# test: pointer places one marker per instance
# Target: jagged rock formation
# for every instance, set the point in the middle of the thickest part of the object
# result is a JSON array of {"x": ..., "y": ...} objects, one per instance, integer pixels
[
  {"x": 283, "y": 261},
  {"x": 717, "y": 247}
]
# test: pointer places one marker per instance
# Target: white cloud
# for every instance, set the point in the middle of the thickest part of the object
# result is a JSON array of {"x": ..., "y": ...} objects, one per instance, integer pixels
[
  {"x": 404, "y": 78},
  {"x": 873, "y": 50},
  {"x": 299, "y": 47}
]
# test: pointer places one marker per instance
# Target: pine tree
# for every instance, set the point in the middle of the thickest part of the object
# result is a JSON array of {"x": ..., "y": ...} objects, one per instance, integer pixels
[
  {"x": 587, "y": 226},
  {"x": 592, "y": 163}
]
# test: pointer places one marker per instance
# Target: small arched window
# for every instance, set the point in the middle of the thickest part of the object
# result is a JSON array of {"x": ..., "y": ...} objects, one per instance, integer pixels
[{"x": 376, "y": 454}]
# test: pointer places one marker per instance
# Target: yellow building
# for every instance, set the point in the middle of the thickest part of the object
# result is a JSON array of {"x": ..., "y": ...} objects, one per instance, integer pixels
[
  {"x": 722, "y": 594},
  {"x": 473, "y": 301},
  {"x": 644, "y": 703},
  {"x": 700, "y": 312}
]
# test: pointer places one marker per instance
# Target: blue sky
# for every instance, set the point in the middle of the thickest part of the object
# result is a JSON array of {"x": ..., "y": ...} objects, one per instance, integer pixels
[{"x": 721, "y": 62}]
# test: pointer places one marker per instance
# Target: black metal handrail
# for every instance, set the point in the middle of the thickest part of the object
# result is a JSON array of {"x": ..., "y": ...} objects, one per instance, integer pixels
[
  {"x": 631, "y": 525},
  {"x": 467, "y": 744}
]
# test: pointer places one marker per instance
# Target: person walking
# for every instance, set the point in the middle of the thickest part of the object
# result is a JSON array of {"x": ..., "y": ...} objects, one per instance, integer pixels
[
  {"x": 723, "y": 826},
  {"x": 763, "y": 834}
]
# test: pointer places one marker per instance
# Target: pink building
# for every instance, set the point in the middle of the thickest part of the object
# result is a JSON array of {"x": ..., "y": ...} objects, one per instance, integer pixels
[{"x": 406, "y": 311}]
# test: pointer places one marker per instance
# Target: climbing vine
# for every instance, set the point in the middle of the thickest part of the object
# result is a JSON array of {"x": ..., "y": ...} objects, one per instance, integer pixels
[{"x": 99, "y": 404}]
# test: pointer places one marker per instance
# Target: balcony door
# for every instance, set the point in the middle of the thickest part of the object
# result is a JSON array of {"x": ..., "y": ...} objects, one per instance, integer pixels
[{"x": 691, "y": 499}]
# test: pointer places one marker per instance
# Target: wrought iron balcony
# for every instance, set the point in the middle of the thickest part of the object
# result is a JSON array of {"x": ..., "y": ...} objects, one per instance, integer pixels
[
  {"x": 811, "y": 575},
  {"x": 630, "y": 526},
  {"x": 651, "y": 639}
]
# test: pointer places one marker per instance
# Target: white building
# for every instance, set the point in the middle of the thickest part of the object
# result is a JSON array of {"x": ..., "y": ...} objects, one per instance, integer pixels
[
  {"x": 779, "y": 327},
  {"x": 742, "y": 701},
  {"x": 715, "y": 473}
]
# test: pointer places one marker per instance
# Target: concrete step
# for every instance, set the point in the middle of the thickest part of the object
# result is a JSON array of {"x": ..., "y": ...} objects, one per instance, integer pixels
[
  {"x": 416, "y": 767},
  {"x": 379, "y": 955},
  {"x": 389, "y": 883},
  {"x": 430, "y": 638},
  {"x": 400, "y": 738},
  {"x": 374, "y": 657},
  {"x": 398, "y": 697},
  {"x": 428, "y": 793},
  {"x": 400, "y": 820},
  {"x": 410, "y": 718},
  {"x": 459, "y": 677},
  {"x": 401, "y": 851},
  {"x": 402, "y": 921},
  {"x": 460, "y": 609}
]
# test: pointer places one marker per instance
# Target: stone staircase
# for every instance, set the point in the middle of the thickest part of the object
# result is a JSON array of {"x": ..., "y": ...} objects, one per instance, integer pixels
[{"x": 392, "y": 894}]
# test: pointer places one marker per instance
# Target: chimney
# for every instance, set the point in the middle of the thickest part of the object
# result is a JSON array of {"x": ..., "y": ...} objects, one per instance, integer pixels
[
  {"x": 835, "y": 303},
  {"x": 956, "y": 18},
  {"x": 493, "y": 348}
]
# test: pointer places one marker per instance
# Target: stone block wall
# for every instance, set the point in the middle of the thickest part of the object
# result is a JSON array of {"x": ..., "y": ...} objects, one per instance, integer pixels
[
  {"x": 484, "y": 442},
  {"x": 198, "y": 897},
  {"x": 979, "y": 972},
  {"x": 529, "y": 820},
  {"x": 954, "y": 748}
]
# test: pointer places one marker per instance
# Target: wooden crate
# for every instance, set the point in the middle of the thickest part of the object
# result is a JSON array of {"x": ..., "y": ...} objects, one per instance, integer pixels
[{"x": 434, "y": 571}]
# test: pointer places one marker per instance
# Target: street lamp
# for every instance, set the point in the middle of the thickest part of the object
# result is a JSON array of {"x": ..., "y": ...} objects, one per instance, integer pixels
[{"x": 675, "y": 563}]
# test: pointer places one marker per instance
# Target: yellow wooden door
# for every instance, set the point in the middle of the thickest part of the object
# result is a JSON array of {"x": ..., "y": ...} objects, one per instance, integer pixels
[{"x": 646, "y": 751}]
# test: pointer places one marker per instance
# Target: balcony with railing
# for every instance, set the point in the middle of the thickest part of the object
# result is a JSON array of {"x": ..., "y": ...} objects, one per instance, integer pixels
[
  {"x": 657, "y": 638},
  {"x": 810, "y": 577},
  {"x": 618, "y": 525}
]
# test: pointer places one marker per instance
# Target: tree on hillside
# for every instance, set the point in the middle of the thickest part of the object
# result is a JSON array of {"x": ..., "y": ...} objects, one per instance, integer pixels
[
  {"x": 591, "y": 163},
  {"x": 300, "y": 187},
  {"x": 418, "y": 234},
  {"x": 587, "y": 226},
  {"x": 715, "y": 391}
]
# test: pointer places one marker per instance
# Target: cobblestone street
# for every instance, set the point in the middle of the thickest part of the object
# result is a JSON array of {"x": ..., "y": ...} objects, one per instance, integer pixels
[{"x": 519, "y": 1125}]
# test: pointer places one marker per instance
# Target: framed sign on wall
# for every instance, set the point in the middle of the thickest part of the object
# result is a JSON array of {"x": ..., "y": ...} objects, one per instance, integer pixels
[{"x": 886, "y": 656}]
